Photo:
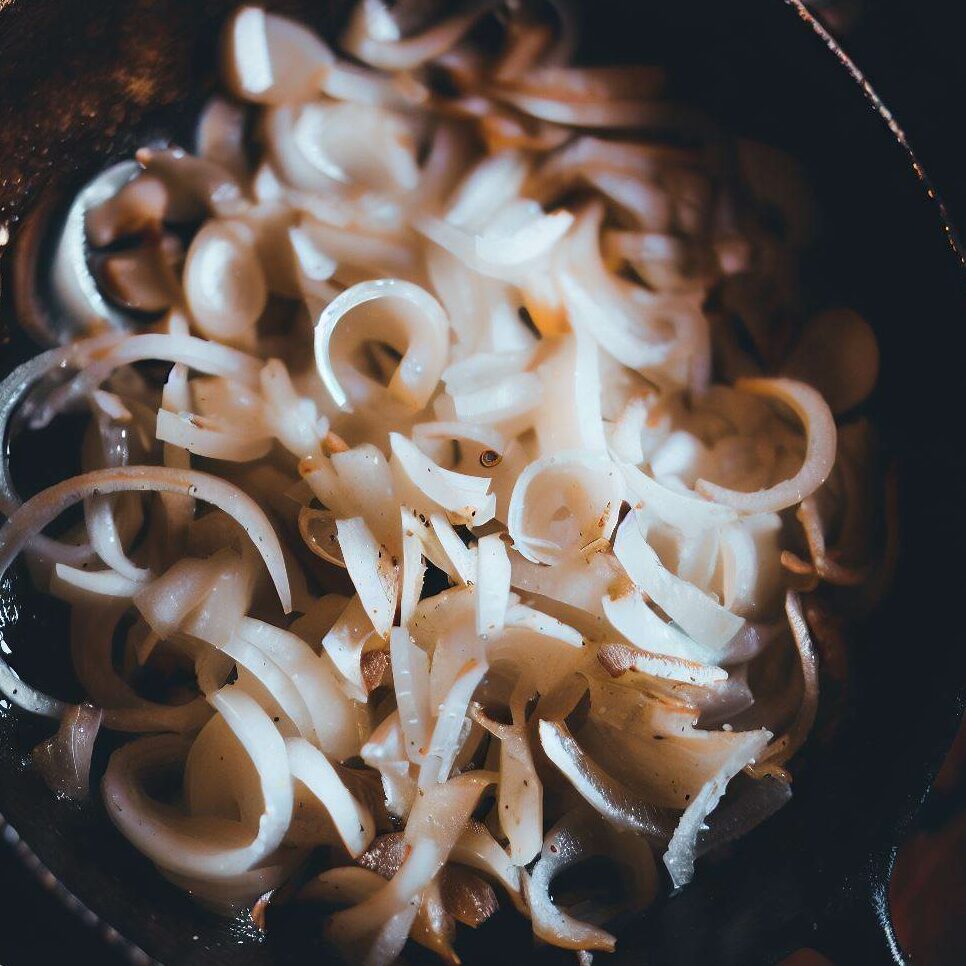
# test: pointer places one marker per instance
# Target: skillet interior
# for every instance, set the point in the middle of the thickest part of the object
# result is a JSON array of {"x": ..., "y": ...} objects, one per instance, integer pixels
[{"x": 81, "y": 84}]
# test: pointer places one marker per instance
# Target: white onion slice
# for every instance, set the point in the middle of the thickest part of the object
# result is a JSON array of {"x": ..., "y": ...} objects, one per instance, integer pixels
[
  {"x": 410, "y": 671},
  {"x": 374, "y": 572},
  {"x": 353, "y": 821},
  {"x": 47, "y": 505},
  {"x": 186, "y": 846},
  {"x": 492, "y": 585},
  {"x": 444, "y": 742},
  {"x": 344, "y": 643},
  {"x": 203, "y": 437},
  {"x": 561, "y": 848},
  {"x": 338, "y": 721},
  {"x": 686, "y": 513},
  {"x": 386, "y": 752},
  {"x": 586, "y": 488},
  {"x": 376, "y": 929},
  {"x": 463, "y": 497},
  {"x": 270, "y": 59},
  {"x": 605, "y": 794},
  {"x": 680, "y": 854},
  {"x": 74, "y": 584},
  {"x": 520, "y": 797},
  {"x": 819, "y": 426},
  {"x": 374, "y": 37},
  {"x": 706, "y": 621},
  {"x": 423, "y": 322}
]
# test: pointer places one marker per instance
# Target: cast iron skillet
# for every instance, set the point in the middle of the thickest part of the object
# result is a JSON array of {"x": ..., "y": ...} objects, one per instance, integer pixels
[{"x": 81, "y": 84}]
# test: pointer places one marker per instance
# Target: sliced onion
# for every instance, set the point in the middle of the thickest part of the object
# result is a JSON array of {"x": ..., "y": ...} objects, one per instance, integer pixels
[
  {"x": 410, "y": 671},
  {"x": 686, "y": 513},
  {"x": 477, "y": 849},
  {"x": 607, "y": 795},
  {"x": 587, "y": 488},
  {"x": 492, "y": 585},
  {"x": 352, "y": 821},
  {"x": 80, "y": 586},
  {"x": 736, "y": 819},
  {"x": 386, "y": 752},
  {"x": 204, "y": 437},
  {"x": 698, "y": 615},
  {"x": 64, "y": 761},
  {"x": 569, "y": 416},
  {"x": 374, "y": 572},
  {"x": 520, "y": 799},
  {"x": 618, "y": 659},
  {"x": 632, "y": 616},
  {"x": 185, "y": 846},
  {"x": 271, "y": 59},
  {"x": 786, "y": 746},
  {"x": 374, "y": 37},
  {"x": 339, "y": 723},
  {"x": 444, "y": 744},
  {"x": 819, "y": 426},
  {"x": 344, "y": 643},
  {"x": 422, "y": 321},
  {"x": 377, "y": 928},
  {"x": 681, "y": 850},
  {"x": 564, "y": 846},
  {"x": 463, "y": 497}
]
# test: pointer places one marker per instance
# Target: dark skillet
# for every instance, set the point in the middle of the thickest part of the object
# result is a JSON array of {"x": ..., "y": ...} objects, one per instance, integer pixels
[{"x": 82, "y": 84}]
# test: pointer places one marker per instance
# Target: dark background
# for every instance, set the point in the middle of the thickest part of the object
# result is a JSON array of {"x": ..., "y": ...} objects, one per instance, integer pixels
[{"x": 910, "y": 50}]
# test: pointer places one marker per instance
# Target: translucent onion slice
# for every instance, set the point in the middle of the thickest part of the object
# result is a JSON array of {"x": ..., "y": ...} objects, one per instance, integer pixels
[
  {"x": 206, "y": 437},
  {"x": 420, "y": 317},
  {"x": 64, "y": 761},
  {"x": 461, "y": 562},
  {"x": 686, "y": 513},
  {"x": 374, "y": 572},
  {"x": 92, "y": 640},
  {"x": 577, "y": 582},
  {"x": 386, "y": 752},
  {"x": 318, "y": 530},
  {"x": 706, "y": 621},
  {"x": 375, "y": 38},
  {"x": 786, "y": 746},
  {"x": 820, "y": 433},
  {"x": 463, "y": 497},
  {"x": 199, "y": 847},
  {"x": 680, "y": 854},
  {"x": 609, "y": 797},
  {"x": 224, "y": 281},
  {"x": 352, "y": 820},
  {"x": 632, "y": 616},
  {"x": 376, "y": 929},
  {"x": 618, "y": 659},
  {"x": 410, "y": 671},
  {"x": 492, "y": 585},
  {"x": 260, "y": 677},
  {"x": 413, "y": 566},
  {"x": 85, "y": 586},
  {"x": 562, "y": 503},
  {"x": 564, "y": 846},
  {"x": 477, "y": 849},
  {"x": 47, "y": 505},
  {"x": 444, "y": 744},
  {"x": 344, "y": 643},
  {"x": 271, "y": 59},
  {"x": 339, "y": 723},
  {"x": 569, "y": 416},
  {"x": 520, "y": 796}
]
